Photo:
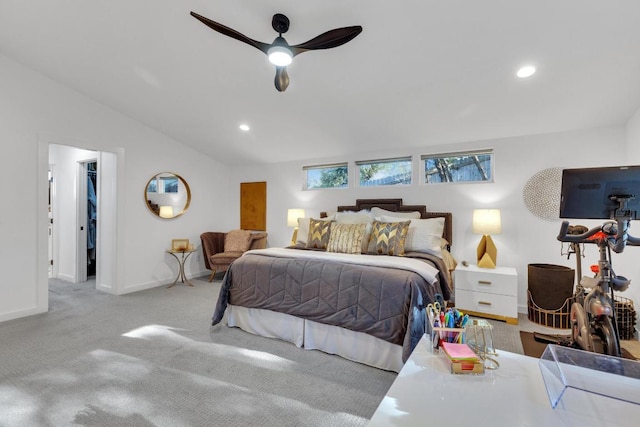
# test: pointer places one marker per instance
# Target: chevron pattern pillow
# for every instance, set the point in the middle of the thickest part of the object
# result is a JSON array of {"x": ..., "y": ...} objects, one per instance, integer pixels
[
  {"x": 387, "y": 238},
  {"x": 319, "y": 233}
]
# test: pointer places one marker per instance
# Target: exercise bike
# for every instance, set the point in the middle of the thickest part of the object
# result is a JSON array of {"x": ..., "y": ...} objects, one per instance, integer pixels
[{"x": 592, "y": 316}]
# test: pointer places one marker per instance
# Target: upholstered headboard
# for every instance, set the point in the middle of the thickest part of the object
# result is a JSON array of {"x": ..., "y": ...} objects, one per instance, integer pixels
[{"x": 396, "y": 205}]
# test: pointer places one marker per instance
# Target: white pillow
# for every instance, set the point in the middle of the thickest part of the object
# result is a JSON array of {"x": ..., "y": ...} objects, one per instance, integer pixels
[
  {"x": 406, "y": 215},
  {"x": 303, "y": 231},
  {"x": 350, "y": 217},
  {"x": 425, "y": 235}
]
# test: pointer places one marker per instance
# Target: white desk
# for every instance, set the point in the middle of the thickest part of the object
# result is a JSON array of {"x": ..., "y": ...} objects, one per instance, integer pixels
[{"x": 426, "y": 394}]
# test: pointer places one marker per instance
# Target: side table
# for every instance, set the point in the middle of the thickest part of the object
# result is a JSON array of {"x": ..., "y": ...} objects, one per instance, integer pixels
[
  {"x": 181, "y": 260},
  {"x": 488, "y": 292}
]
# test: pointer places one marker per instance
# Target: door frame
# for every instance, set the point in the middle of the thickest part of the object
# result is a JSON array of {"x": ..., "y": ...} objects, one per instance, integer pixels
[{"x": 53, "y": 266}]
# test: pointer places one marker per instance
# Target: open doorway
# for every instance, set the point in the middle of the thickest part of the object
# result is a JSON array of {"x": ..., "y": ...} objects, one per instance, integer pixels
[
  {"x": 87, "y": 219},
  {"x": 92, "y": 217},
  {"x": 83, "y": 208}
]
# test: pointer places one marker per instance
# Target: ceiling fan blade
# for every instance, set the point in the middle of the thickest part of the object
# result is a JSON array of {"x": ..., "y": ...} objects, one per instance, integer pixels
[
  {"x": 282, "y": 79},
  {"x": 332, "y": 38},
  {"x": 222, "y": 29}
]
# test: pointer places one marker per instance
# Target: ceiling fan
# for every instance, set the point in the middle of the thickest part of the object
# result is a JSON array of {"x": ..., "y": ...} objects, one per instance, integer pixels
[{"x": 280, "y": 53}]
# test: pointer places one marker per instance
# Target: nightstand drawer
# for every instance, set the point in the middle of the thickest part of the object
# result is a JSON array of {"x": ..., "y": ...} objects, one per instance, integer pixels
[
  {"x": 486, "y": 281},
  {"x": 489, "y": 303}
]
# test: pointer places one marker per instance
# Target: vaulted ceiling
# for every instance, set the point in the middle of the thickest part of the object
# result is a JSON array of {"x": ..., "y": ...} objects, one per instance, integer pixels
[{"x": 423, "y": 72}]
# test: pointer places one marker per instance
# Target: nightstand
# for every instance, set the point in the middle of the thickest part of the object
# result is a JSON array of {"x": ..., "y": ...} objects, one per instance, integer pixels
[{"x": 488, "y": 292}]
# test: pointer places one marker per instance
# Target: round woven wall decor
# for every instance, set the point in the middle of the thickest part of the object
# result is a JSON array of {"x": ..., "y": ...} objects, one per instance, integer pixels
[{"x": 541, "y": 194}]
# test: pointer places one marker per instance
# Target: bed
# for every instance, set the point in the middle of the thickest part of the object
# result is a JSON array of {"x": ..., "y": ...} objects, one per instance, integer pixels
[{"x": 355, "y": 284}]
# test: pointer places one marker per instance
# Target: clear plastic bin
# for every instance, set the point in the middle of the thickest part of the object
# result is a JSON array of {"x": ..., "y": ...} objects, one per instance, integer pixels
[{"x": 565, "y": 368}]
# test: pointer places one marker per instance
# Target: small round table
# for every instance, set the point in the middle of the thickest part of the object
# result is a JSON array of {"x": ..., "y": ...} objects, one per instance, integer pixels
[{"x": 181, "y": 260}]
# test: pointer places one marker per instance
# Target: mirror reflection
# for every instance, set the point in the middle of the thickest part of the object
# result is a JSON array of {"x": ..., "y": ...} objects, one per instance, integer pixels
[{"x": 167, "y": 195}]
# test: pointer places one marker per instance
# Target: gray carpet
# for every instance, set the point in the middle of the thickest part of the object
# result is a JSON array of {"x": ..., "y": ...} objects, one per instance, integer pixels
[{"x": 151, "y": 359}]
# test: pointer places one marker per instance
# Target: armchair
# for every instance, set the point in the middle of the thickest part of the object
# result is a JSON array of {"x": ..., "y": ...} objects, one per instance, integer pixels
[{"x": 221, "y": 249}]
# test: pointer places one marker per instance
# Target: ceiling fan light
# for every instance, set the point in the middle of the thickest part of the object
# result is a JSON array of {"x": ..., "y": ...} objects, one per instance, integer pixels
[{"x": 280, "y": 56}]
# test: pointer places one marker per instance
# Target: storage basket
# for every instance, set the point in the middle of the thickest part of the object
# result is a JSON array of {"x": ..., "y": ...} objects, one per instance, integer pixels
[
  {"x": 550, "y": 294},
  {"x": 558, "y": 318},
  {"x": 626, "y": 317}
]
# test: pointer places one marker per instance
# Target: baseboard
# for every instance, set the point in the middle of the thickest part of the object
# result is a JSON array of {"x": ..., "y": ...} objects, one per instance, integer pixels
[
  {"x": 66, "y": 277},
  {"x": 161, "y": 282},
  {"x": 21, "y": 313}
]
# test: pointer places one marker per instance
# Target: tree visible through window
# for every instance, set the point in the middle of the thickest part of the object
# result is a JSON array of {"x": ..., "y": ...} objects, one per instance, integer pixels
[
  {"x": 385, "y": 171},
  {"x": 458, "y": 167},
  {"x": 326, "y": 176}
]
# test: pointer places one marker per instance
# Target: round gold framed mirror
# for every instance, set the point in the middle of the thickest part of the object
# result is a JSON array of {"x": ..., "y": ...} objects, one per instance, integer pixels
[{"x": 167, "y": 195}]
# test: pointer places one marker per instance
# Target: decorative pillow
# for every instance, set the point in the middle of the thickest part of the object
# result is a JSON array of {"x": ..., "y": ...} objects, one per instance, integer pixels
[
  {"x": 303, "y": 229},
  {"x": 319, "y": 233},
  {"x": 387, "y": 238},
  {"x": 346, "y": 238},
  {"x": 237, "y": 241},
  {"x": 361, "y": 217},
  {"x": 405, "y": 215},
  {"x": 449, "y": 260},
  {"x": 425, "y": 235}
]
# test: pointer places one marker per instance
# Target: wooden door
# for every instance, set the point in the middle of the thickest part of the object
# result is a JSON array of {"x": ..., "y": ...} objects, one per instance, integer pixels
[{"x": 253, "y": 206}]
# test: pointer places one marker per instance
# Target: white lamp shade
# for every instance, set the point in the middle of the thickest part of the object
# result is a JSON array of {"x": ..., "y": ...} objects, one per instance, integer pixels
[
  {"x": 293, "y": 215},
  {"x": 486, "y": 221},
  {"x": 166, "y": 212}
]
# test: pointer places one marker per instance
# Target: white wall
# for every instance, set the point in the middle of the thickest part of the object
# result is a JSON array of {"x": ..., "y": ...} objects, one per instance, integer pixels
[
  {"x": 633, "y": 138},
  {"x": 525, "y": 238},
  {"x": 35, "y": 112}
]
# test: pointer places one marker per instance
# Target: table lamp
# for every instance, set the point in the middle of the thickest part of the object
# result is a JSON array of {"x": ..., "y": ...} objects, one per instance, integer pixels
[
  {"x": 486, "y": 222},
  {"x": 292, "y": 221}
]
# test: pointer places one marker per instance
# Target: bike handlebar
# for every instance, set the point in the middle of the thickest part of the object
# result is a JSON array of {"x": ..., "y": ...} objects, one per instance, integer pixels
[{"x": 616, "y": 241}]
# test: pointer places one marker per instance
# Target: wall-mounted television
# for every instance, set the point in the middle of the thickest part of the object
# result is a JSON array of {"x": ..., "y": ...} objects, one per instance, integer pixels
[{"x": 593, "y": 193}]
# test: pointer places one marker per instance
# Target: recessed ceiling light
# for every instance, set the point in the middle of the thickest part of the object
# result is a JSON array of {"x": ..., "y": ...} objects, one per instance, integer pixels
[
  {"x": 526, "y": 71},
  {"x": 244, "y": 127}
]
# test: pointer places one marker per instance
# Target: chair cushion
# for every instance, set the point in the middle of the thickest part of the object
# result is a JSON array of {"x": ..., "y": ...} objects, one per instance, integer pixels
[
  {"x": 224, "y": 257},
  {"x": 237, "y": 241}
]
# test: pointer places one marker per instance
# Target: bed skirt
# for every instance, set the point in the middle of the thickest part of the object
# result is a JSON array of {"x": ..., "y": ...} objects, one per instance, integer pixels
[{"x": 355, "y": 346}]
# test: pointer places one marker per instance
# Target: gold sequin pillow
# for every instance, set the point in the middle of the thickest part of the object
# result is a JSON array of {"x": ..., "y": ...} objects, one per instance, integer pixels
[
  {"x": 319, "y": 233},
  {"x": 387, "y": 238},
  {"x": 346, "y": 238}
]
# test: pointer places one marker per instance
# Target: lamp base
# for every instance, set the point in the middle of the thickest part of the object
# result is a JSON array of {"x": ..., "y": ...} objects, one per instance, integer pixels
[
  {"x": 294, "y": 237},
  {"x": 487, "y": 252}
]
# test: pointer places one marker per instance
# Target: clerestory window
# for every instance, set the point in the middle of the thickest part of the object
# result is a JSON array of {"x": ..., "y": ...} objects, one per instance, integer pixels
[
  {"x": 326, "y": 176},
  {"x": 385, "y": 171},
  {"x": 468, "y": 166}
]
